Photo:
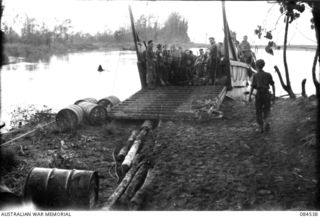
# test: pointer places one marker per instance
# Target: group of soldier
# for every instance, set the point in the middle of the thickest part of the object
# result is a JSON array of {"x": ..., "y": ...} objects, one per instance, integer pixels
[{"x": 175, "y": 66}]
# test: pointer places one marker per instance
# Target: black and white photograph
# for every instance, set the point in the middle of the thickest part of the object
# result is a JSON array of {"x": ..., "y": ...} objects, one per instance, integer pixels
[{"x": 159, "y": 106}]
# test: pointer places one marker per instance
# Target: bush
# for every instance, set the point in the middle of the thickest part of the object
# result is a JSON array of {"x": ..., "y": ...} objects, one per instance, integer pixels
[{"x": 30, "y": 115}]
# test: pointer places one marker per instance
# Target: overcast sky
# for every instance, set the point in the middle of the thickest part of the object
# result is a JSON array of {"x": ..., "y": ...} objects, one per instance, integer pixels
[{"x": 205, "y": 18}]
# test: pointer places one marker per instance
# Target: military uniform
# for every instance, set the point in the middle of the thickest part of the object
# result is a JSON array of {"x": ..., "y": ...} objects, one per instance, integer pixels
[
  {"x": 245, "y": 52},
  {"x": 166, "y": 65},
  {"x": 261, "y": 82},
  {"x": 151, "y": 68},
  {"x": 213, "y": 62},
  {"x": 159, "y": 66}
]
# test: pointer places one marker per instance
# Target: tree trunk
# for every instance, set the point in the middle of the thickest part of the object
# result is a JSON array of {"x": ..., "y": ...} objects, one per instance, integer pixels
[
  {"x": 124, "y": 150},
  {"x": 316, "y": 18},
  {"x": 289, "y": 89},
  {"x": 314, "y": 77},
  {"x": 126, "y": 164},
  {"x": 109, "y": 204},
  {"x": 280, "y": 77},
  {"x": 138, "y": 199},
  {"x": 303, "y": 88},
  {"x": 134, "y": 185}
]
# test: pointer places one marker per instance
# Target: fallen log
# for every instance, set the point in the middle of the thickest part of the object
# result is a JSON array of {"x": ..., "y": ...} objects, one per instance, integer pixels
[
  {"x": 134, "y": 185},
  {"x": 124, "y": 150},
  {"x": 139, "y": 197},
  {"x": 126, "y": 164},
  {"x": 130, "y": 156},
  {"x": 109, "y": 204},
  {"x": 147, "y": 124}
]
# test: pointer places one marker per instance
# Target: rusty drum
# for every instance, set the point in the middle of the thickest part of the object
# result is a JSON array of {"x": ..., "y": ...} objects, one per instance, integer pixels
[
  {"x": 52, "y": 188},
  {"x": 91, "y": 100},
  {"x": 95, "y": 114},
  {"x": 70, "y": 117},
  {"x": 109, "y": 102}
]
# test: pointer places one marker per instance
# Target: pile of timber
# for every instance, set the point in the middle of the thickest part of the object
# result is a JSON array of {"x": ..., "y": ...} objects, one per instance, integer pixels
[{"x": 135, "y": 173}]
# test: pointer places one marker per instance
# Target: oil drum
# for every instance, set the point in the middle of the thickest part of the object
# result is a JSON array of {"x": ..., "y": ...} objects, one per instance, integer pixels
[
  {"x": 52, "y": 188},
  {"x": 70, "y": 117},
  {"x": 109, "y": 102},
  {"x": 91, "y": 100},
  {"x": 95, "y": 114}
]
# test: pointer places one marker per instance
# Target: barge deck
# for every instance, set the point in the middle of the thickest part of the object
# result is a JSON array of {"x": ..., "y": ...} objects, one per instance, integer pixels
[{"x": 166, "y": 103}]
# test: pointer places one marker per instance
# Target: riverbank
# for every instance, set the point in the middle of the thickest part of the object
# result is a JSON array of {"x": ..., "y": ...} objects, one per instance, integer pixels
[
  {"x": 227, "y": 165},
  {"x": 215, "y": 165}
]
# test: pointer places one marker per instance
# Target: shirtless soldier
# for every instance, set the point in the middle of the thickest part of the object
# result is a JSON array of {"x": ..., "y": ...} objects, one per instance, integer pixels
[{"x": 261, "y": 82}]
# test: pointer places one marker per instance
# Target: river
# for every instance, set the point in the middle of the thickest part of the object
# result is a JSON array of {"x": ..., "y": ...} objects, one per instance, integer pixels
[{"x": 65, "y": 79}]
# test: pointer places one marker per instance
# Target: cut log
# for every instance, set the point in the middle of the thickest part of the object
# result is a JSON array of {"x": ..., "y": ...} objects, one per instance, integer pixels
[
  {"x": 140, "y": 195},
  {"x": 126, "y": 164},
  {"x": 147, "y": 124},
  {"x": 130, "y": 156},
  {"x": 124, "y": 150},
  {"x": 108, "y": 205},
  {"x": 134, "y": 185}
]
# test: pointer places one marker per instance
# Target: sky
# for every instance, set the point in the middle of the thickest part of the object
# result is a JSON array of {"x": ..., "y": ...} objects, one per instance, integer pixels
[{"x": 204, "y": 18}]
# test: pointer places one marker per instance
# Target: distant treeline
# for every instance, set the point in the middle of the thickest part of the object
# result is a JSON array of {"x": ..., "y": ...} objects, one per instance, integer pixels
[
  {"x": 295, "y": 47},
  {"x": 37, "y": 41}
]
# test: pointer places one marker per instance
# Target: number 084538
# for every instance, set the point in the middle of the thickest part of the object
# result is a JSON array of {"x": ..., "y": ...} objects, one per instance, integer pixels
[{"x": 314, "y": 213}]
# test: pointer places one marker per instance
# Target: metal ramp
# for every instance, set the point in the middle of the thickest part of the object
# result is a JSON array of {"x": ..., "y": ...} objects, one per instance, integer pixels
[{"x": 166, "y": 103}]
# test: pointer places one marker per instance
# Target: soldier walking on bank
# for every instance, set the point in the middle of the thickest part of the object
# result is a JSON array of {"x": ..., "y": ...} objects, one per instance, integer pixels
[
  {"x": 261, "y": 82},
  {"x": 150, "y": 64}
]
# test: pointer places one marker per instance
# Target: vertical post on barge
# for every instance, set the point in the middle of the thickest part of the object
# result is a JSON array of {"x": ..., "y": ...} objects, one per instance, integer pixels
[
  {"x": 226, "y": 46},
  {"x": 142, "y": 73}
]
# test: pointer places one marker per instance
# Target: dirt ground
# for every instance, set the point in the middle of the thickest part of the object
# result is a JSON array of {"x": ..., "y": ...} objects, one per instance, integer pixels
[
  {"x": 220, "y": 164},
  {"x": 227, "y": 165}
]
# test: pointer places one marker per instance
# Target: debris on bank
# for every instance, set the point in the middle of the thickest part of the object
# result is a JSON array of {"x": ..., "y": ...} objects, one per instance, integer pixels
[{"x": 221, "y": 164}]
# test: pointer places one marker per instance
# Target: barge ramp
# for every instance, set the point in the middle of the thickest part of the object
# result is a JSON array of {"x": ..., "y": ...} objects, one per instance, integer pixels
[{"x": 166, "y": 103}]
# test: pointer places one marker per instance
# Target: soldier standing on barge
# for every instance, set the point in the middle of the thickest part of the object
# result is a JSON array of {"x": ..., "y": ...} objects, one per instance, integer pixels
[
  {"x": 213, "y": 60},
  {"x": 150, "y": 65}
]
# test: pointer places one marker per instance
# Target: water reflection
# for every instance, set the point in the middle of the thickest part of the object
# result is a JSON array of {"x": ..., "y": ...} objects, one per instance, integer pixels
[
  {"x": 31, "y": 67},
  {"x": 64, "y": 79}
]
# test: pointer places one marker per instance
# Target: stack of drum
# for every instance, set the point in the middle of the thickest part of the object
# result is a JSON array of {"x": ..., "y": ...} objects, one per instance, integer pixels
[{"x": 88, "y": 109}]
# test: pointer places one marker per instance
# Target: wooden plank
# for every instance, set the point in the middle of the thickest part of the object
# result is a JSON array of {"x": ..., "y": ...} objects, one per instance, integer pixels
[{"x": 172, "y": 102}]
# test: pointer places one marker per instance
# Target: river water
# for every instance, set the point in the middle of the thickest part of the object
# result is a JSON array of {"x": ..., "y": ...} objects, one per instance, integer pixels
[{"x": 65, "y": 79}]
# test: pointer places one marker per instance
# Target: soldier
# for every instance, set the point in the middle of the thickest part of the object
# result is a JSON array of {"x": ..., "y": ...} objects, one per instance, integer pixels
[
  {"x": 213, "y": 60},
  {"x": 199, "y": 64},
  {"x": 159, "y": 65},
  {"x": 245, "y": 51},
  {"x": 261, "y": 82},
  {"x": 150, "y": 65},
  {"x": 187, "y": 63},
  {"x": 166, "y": 63}
]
